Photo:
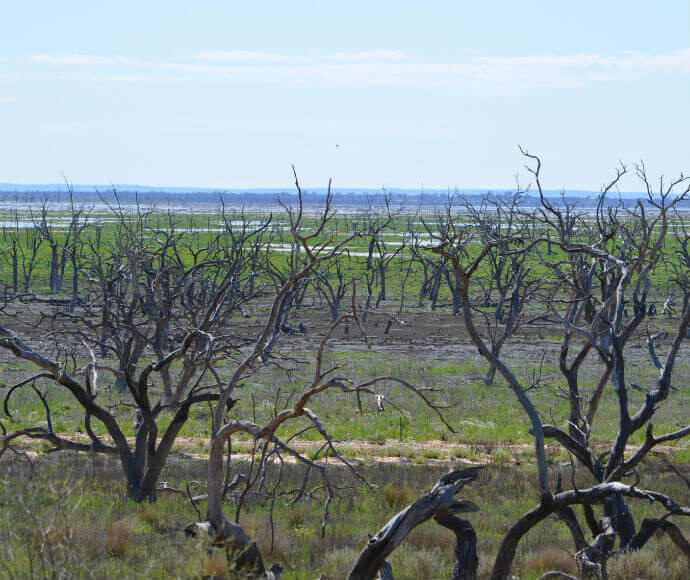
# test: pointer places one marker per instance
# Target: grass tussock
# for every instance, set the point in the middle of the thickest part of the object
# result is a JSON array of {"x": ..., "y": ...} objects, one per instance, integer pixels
[
  {"x": 646, "y": 565},
  {"x": 63, "y": 525},
  {"x": 547, "y": 559}
]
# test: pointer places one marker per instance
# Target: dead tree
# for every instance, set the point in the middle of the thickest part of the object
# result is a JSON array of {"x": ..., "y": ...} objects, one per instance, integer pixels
[
  {"x": 9, "y": 255},
  {"x": 432, "y": 272},
  {"x": 332, "y": 285},
  {"x": 28, "y": 249},
  {"x": 378, "y": 256},
  {"x": 140, "y": 297},
  {"x": 406, "y": 262},
  {"x": 63, "y": 244},
  {"x": 279, "y": 274},
  {"x": 439, "y": 504},
  {"x": 318, "y": 247},
  {"x": 621, "y": 262},
  {"x": 382, "y": 262},
  {"x": 506, "y": 279}
]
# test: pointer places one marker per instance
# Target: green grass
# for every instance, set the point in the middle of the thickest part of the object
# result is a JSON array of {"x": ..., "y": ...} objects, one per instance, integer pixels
[{"x": 479, "y": 414}]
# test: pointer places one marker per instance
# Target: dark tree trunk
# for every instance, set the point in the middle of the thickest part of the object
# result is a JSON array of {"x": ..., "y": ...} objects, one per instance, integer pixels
[
  {"x": 382, "y": 294},
  {"x": 439, "y": 501},
  {"x": 466, "y": 559},
  {"x": 15, "y": 268},
  {"x": 75, "y": 282},
  {"x": 621, "y": 518},
  {"x": 54, "y": 277},
  {"x": 506, "y": 551}
]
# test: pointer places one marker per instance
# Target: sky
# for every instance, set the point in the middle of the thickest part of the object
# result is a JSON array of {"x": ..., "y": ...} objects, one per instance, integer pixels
[{"x": 433, "y": 95}]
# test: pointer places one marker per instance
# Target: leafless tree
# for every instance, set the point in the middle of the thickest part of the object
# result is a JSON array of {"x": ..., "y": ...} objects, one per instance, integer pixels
[
  {"x": 9, "y": 255},
  {"x": 621, "y": 261},
  {"x": 332, "y": 285},
  {"x": 319, "y": 247},
  {"x": 26, "y": 254},
  {"x": 164, "y": 325},
  {"x": 506, "y": 278},
  {"x": 379, "y": 256},
  {"x": 63, "y": 244},
  {"x": 167, "y": 314}
]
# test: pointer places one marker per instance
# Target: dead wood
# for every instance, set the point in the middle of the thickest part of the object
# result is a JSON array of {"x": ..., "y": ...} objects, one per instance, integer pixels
[{"x": 440, "y": 501}]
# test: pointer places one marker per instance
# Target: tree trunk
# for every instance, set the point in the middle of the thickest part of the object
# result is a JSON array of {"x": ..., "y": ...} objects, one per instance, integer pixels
[
  {"x": 621, "y": 518},
  {"x": 466, "y": 559},
  {"x": 242, "y": 552},
  {"x": 54, "y": 287},
  {"x": 15, "y": 268},
  {"x": 75, "y": 282},
  {"x": 506, "y": 551},
  {"x": 490, "y": 376},
  {"x": 439, "y": 501}
]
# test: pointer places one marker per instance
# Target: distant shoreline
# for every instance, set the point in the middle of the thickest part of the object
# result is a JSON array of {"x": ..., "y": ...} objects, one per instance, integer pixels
[
  {"x": 62, "y": 189},
  {"x": 211, "y": 200}
]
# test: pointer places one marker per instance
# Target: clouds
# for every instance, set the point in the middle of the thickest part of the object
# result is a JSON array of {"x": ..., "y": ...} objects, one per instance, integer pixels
[
  {"x": 75, "y": 59},
  {"x": 677, "y": 61},
  {"x": 486, "y": 75},
  {"x": 375, "y": 55},
  {"x": 247, "y": 56},
  {"x": 252, "y": 56}
]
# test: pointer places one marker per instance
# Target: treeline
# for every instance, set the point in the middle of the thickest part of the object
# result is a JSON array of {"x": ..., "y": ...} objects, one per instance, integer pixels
[{"x": 427, "y": 200}]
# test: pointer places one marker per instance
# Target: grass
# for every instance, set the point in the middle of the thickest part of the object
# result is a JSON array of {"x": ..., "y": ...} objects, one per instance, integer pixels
[
  {"x": 69, "y": 516},
  {"x": 488, "y": 421},
  {"x": 480, "y": 415}
]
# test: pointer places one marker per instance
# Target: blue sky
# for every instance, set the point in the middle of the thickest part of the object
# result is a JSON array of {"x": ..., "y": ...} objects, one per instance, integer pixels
[{"x": 372, "y": 94}]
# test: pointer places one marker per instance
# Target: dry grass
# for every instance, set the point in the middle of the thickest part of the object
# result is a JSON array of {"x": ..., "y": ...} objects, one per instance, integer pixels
[
  {"x": 217, "y": 564},
  {"x": 398, "y": 495},
  {"x": 117, "y": 537},
  {"x": 297, "y": 516},
  {"x": 94, "y": 540},
  {"x": 88, "y": 530},
  {"x": 645, "y": 565},
  {"x": 550, "y": 558}
]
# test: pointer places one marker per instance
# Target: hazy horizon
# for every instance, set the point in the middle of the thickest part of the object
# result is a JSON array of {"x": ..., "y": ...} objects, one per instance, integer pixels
[{"x": 83, "y": 189}]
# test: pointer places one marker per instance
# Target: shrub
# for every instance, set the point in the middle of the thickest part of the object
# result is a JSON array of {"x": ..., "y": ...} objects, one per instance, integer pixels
[{"x": 398, "y": 496}]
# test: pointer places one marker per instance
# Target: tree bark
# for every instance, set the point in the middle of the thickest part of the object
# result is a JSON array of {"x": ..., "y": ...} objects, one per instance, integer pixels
[
  {"x": 439, "y": 501},
  {"x": 466, "y": 559}
]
